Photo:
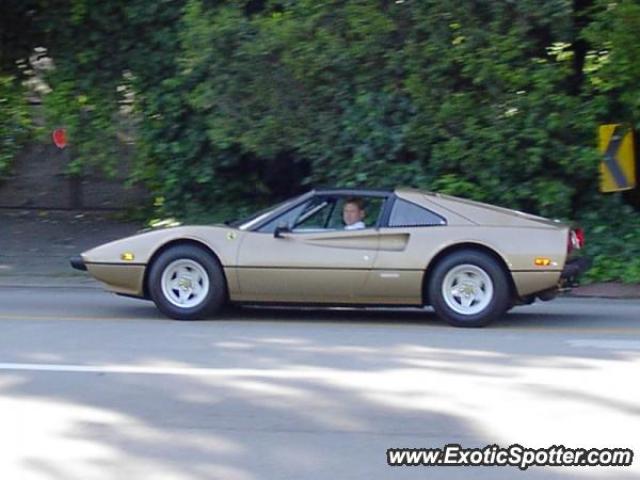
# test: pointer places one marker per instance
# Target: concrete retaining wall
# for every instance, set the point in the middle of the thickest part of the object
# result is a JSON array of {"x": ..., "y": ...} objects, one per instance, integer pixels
[{"x": 39, "y": 181}]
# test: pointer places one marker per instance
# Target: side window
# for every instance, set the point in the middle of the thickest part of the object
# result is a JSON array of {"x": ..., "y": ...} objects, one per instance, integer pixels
[
  {"x": 309, "y": 216},
  {"x": 371, "y": 207},
  {"x": 327, "y": 213},
  {"x": 406, "y": 214},
  {"x": 315, "y": 217},
  {"x": 286, "y": 218}
]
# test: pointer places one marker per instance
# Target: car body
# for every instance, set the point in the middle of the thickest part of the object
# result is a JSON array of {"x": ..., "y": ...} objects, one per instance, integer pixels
[{"x": 470, "y": 261}]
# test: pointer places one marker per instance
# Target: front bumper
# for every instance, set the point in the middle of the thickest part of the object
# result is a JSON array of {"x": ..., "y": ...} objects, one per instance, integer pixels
[{"x": 78, "y": 263}]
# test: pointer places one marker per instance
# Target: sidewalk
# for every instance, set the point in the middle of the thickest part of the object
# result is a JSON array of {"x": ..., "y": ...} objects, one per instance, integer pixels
[{"x": 35, "y": 245}]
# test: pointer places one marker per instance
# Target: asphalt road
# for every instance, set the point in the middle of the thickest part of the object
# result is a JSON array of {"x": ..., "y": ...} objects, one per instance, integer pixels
[{"x": 94, "y": 386}]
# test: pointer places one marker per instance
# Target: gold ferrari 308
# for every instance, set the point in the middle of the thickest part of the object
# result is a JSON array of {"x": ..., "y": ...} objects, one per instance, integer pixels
[{"x": 470, "y": 261}]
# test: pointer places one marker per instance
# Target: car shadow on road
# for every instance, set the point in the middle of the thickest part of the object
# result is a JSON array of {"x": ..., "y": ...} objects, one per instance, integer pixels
[{"x": 544, "y": 317}]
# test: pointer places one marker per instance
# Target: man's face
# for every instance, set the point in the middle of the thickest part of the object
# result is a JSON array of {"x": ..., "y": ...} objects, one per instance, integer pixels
[{"x": 351, "y": 213}]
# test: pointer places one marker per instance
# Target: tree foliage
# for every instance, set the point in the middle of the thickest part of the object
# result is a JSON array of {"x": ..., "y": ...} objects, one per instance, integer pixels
[{"x": 14, "y": 122}]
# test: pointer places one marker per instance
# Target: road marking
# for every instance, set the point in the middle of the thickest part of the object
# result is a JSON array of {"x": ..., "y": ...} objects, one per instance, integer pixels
[
  {"x": 409, "y": 321},
  {"x": 575, "y": 330},
  {"x": 160, "y": 370},
  {"x": 606, "y": 344}
]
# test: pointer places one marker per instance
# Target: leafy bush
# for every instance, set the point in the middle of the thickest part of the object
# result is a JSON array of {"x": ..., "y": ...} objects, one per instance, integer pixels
[
  {"x": 91, "y": 123},
  {"x": 14, "y": 121},
  {"x": 612, "y": 241}
]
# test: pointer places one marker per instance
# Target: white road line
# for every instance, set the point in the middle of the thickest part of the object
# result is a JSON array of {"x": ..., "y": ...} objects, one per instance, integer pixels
[
  {"x": 606, "y": 344},
  {"x": 161, "y": 370}
]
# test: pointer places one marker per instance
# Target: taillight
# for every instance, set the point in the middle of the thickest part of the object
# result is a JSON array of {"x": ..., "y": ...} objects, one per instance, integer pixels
[
  {"x": 575, "y": 240},
  {"x": 579, "y": 237}
]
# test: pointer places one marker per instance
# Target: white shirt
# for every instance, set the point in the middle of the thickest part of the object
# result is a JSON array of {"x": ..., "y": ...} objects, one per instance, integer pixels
[{"x": 355, "y": 226}]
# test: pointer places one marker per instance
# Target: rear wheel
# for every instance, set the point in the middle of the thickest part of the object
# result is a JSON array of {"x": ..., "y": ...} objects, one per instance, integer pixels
[
  {"x": 469, "y": 289},
  {"x": 187, "y": 283}
]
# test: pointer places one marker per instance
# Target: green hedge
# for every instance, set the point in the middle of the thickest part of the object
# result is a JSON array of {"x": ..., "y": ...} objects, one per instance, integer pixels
[{"x": 14, "y": 122}]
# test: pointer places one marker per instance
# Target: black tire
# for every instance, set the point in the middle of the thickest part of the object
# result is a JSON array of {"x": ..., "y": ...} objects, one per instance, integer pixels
[
  {"x": 498, "y": 301},
  {"x": 214, "y": 299}
]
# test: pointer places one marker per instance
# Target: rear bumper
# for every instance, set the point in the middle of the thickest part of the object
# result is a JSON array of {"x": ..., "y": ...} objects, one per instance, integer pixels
[
  {"x": 575, "y": 267},
  {"x": 78, "y": 263}
]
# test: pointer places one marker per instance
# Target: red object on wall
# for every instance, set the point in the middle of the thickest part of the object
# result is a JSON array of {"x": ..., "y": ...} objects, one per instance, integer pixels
[{"x": 60, "y": 137}]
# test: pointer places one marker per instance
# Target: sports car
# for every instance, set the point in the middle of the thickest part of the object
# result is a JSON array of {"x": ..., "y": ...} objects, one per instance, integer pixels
[{"x": 469, "y": 261}]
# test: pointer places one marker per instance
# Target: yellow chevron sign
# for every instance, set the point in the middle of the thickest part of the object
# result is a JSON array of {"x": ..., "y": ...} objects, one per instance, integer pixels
[{"x": 618, "y": 166}]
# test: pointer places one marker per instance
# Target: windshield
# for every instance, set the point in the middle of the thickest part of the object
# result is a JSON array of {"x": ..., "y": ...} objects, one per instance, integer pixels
[{"x": 254, "y": 219}]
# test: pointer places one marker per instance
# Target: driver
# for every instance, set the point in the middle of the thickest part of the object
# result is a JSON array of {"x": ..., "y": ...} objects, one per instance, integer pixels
[{"x": 353, "y": 214}]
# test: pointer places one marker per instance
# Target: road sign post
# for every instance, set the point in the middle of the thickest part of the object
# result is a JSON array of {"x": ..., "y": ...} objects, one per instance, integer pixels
[{"x": 60, "y": 139}]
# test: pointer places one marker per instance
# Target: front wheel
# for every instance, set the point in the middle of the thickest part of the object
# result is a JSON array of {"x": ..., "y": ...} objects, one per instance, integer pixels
[
  {"x": 469, "y": 289},
  {"x": 187, "y": 283}
]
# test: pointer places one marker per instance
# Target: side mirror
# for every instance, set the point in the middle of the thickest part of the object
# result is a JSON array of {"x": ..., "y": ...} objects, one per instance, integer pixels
[{"x": 280, "y": 229}]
